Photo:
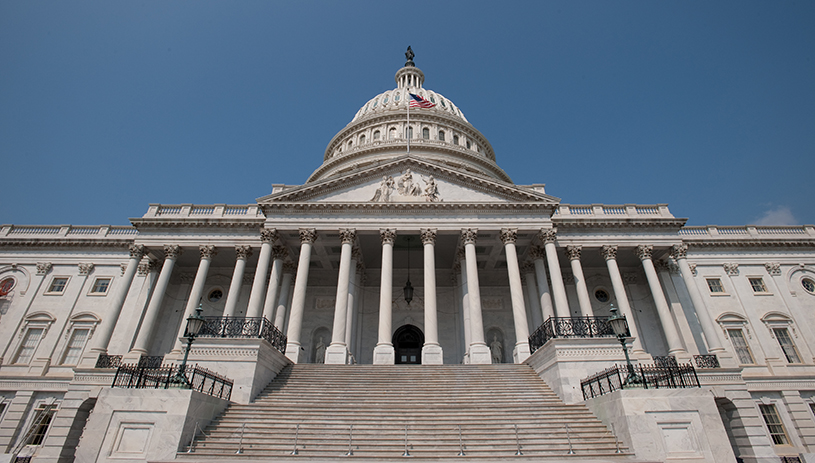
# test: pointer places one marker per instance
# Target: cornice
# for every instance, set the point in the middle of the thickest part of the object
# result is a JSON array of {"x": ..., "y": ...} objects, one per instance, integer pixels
[
  {"x": 750, "y": 243},
  {"x": 253, "y": 223},
  {"x": 374, "y": 208},
  {"x": 50, "y": 242},
  {"x": 658, "y": 222}
]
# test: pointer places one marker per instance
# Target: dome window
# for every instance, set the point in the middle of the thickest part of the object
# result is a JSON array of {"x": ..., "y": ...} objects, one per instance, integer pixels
[
  {"x": 455, "y": 139},
  {"x": 351, "y": 143},
  {"x": 409, "y": 132},
  {"x": 396, "y": 97},
  {"x": 441, "y": 135},
  {"x": 385, "y": 101},
  {"x": 376, "y": 135},
  {"x": 426, "y": 133},
  {"x": 468, "y": 144},
  {"x": 362, "y": 139},
  {"x": 432, "y": 100},
  {"x": 391, "y": 134},
  {"x": 443, "y": 105},
  {"x": 375, "y": 103}
]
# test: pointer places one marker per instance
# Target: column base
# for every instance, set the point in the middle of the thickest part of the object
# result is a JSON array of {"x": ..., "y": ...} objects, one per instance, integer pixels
[
  {"x": 294, "y": 351},
  {"x": 432, "y": 355},
  {"x": 336, "y": 354},
  {"x": 90, "y": 358},
  {"x": 480, "y": 354},
  {"x": 384, "y": 355},
  {"x": 521, "y": 352}
]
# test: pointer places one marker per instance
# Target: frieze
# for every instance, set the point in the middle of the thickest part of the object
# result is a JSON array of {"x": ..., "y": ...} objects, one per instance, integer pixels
[
  {"x": 221, "y": 352},
  {"x": 324, "y": 303},
  {"x": 113, "y": 243}
]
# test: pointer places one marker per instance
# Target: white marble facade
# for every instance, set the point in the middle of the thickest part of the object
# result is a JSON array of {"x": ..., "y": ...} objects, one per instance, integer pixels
[{"x": 326, "y": 263}]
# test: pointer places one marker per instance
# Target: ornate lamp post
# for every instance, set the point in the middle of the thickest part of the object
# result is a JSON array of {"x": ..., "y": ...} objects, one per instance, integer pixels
[
  {"x": 620, "y": 328},
  {"x": 194, "y": 324}
]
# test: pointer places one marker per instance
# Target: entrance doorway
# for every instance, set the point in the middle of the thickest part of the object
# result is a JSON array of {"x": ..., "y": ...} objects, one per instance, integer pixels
[{"x": 407, "y": 345}]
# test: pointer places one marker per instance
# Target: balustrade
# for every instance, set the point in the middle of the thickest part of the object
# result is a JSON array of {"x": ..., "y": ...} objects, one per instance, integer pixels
[
  {"x": 244, "y": 327},
  {"x": 571, "y": 327}
]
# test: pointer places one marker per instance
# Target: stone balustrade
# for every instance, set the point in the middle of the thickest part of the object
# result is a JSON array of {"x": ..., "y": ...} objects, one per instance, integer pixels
[
  {"x": 617, "y": 211},
  {"x": 203, "y": 210},
  {"x": 713, "y": 231},
  {"x": 67, "y": 231}
]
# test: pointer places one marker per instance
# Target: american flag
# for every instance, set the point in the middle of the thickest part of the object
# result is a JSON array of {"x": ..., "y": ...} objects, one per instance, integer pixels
[{"x": 418, "y": 102}]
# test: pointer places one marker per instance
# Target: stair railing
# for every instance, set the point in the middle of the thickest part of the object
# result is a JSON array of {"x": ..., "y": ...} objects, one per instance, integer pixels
[
  {"x": 240, "y": 442},
  {"x": 350, "y": 441},
  {"x": 460, "y": 443},
  {"x": 296, "y": 434},
  {"x": 517, "y": 442},
  {"x": 191, "y": 447},
  {"x": 616, "y": 441},
  {"x": 406, "y": 454},
  {"x": 569, "y": 438}
]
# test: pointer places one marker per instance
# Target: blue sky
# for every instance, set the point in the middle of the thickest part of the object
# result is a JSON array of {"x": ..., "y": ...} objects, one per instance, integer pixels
[{"x": 108, "y": 106}]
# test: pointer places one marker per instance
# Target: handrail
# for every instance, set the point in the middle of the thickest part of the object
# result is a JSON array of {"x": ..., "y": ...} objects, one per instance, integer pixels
[{"x": 571, "y": 327}]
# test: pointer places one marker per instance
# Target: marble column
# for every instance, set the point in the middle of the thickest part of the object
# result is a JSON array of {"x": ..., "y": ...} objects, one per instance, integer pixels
[
  {"x": 665, "y": 317},
  {"x": 242, "y": 252},
  {"x": 298, "y": 303},
  {"x": 171, "y": 253},
  {"x": 196, "y": 293},
  {"x": 431, "y": 351},
  {"x": 278, "y": 254},
  {"x": 521, "y": 351},
  {"x": 528, "y": 272},
  {"x": 465, "y": 304},
  {"x": 101, "y": 338},
  {"x": 579, "y": 280},
  {"x": 609, "y": 253},
  {"x": 283, "y": 299},
  {"x": 479, "y": 351},
  {"x": 255, "y": 306},
  {"x": 337, "y": 351},
  {"x": 548, "y": 237},
  {"x": 383, "y": 352},
  {"x": 353, "y": 293},
  {"x": 714, "y": 344},
  {"x": 544, "y": 293}
]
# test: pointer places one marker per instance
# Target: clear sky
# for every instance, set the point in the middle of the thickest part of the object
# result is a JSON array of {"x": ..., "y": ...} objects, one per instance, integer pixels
[{"x": 108, "y": 106}]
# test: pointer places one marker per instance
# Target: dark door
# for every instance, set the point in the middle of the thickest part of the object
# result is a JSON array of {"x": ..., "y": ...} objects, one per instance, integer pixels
[{"x": 407, "y": 344}]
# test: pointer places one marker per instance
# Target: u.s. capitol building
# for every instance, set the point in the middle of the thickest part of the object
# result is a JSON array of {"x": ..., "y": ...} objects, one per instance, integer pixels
[{"x": 364, "y": 314}]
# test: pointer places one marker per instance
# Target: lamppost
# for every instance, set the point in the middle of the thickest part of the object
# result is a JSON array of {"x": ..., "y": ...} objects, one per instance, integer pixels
[
  {"x": 620, "y": 328},
  {"x": 194, "y": 324}
]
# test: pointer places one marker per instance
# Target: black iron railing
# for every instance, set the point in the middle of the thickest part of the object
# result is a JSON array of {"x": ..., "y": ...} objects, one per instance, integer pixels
[
  {"x": 108, "y": 361},
  {"x": 790, "y": 459},
  {"x": 706, "y": 361},
  {"x": 652, "y": 377},
  {"x": 244, "y": 327},
  {"x": 151, "y": 361},
  {"x": 201, "y": 379},
  {"x": 571, "y": 327}
]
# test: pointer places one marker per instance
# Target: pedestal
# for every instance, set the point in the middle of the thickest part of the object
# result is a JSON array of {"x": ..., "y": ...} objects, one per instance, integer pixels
[
  {"x": 384, "y": 355},
  {"x": 521, "y": 352},
  {"x": 432, "y": 355},
  {"x": 336, "y": 354},
  {"x": 480, "y": 354}
]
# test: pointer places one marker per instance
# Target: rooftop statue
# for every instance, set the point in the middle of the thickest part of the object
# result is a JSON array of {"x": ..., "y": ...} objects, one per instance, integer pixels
[{"x": 409, "y": 55}]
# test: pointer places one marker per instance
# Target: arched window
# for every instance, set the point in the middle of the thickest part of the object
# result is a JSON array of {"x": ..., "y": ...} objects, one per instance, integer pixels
[
  {"x": 391, "y": 134},
  {"x": 376, "y": 135},
  {"x": 362, "y": 139},
  {"x": 426, "y": 133},
  {"x": 455, "y": 139},
  {"x": 441, "y": 135},
  {"x": 468, "y": 144},
  {"x": 351, "y": 143}
]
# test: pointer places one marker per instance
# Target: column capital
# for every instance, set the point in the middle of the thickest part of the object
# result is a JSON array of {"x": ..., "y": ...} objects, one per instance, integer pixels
[
  {"x": 469, "y": 235},
  {"x": 348, "y": 235},
  {"x": 356, "y": 254},
  {"x": 243, "y": 251},
  {"x": 360, "y": 267},
  {"x": 644, "y": 251},
  {"x": 609, "y": 252},
  {"x": 547, "y": 235},
  {"x": 731, "y": 269},
  {"x": 43, "y": 267},
  {"x": 457, "y": 267},
  {"x": 143, "y": 268},
  {"x": 536, "y": 252},
  {"x": 509, "y": 235},
  {"x": 136, "y": 251},
  {"x": 207, "y": 251},
  {"x": 85, "y": 268},
  {"x": 172, "y": 251},
  {"x": 289, "y": 267},
  {"x": 268, "y": 235},
  {"x": 154, "y": 265},
  {"x": 388, "y": 235},
  {"x": 279, "y": 252},
  {"x": 574, "y": 252},
  {"x": 679, "y": 251},
  {"x": 773, "y": 268},
  {"x": 308, "y": 235},
  {"x": 460, "y": 255},
  {"x": 692, "y": 268},
  {"x": 428, "y": 235},
  {"x": 527, "y": 267},
  {"x": 665, "y": 266}
]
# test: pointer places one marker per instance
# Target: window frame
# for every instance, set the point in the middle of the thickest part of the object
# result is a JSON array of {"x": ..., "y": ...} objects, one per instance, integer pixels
[
  {"x": 772, "y": 406},
  {"x": 92, "y": 292},
  {"x": 709, "y": 280},
  {"x": 753, "y": 281},
  {"x": 747, "y": 348},
  {"x": 50, "y": 292},
  {"x": 79, "y": 322},
  {"x": 795, "y": 352},
  {"x": 38, "y": 320},
  {"x": 38, "y": 405}
]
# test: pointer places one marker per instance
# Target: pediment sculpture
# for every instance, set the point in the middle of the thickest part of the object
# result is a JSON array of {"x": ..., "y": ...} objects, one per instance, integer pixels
[{"x": 405, "y": 188}]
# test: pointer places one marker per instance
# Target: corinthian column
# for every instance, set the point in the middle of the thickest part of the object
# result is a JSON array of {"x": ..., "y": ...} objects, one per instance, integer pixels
[
  {"x": 148, "y": 325},
  {"x": 521, "y": 351},
  {"x": 479, "y": 351},
  {"x": 548, "y": 237},
  {"x": 197, "y": 291},
  {"x": 337, "y": 352},
  {"x": 298, "y": 303},
  {"x": 285, "y": 289},
  {"x": 664, "y": 312},
  {"x": 544, "y": 294},
  {"x": 609, "y": 253},
  {"x": 579, "y": 280},
  {"x": 255, "y": 306},
  {"x": 383, "y": 352},
  {"x": 278, "y": 254},
  {"x": 431, "y": 351},
  {"x": 242, "y": 252},
  {"x": 105, "y": 331},
  {"x": 528, "y": 272},
  {"x": 714, "y": 344}
]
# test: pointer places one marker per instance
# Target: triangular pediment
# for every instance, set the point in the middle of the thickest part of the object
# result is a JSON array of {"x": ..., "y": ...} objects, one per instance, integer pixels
[{"x": 409, "y": 180}]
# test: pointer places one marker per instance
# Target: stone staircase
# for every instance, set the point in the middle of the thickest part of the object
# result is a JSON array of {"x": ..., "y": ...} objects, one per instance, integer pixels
[{"x": 380, "y": 407}]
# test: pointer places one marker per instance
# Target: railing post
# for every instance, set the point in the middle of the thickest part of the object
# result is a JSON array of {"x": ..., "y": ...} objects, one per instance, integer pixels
[{"x": 517, "y": 442}]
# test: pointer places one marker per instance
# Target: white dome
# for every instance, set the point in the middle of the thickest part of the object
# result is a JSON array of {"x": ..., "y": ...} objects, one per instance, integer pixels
[{"x": 396, "y": 99}]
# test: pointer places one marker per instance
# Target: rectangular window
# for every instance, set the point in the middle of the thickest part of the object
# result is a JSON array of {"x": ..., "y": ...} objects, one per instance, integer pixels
[
  {"x": 758, "y": 285},
  {"x": 58, "y": 285},
  {"x": 774, "y": 424},
  {"x": 715, "y": 285},
  {"x": 787, "y": 346},
  {"x": 75, "y": 345},
  {"x": 29, "y": 345},
  {"x": 740, "y": 346},
  {"x": 43, "y": 415},
  {"x": 100, "y": 286}
]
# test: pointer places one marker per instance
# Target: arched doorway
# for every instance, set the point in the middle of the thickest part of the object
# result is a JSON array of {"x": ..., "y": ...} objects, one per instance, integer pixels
[{"x": 407, "y": 344}]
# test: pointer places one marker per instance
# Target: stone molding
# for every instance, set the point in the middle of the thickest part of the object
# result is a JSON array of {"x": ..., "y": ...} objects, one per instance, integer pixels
[
  {"x": 136, "y": 251},
  {"x": 279, "y": 252},
  {"x": 547, "y": 236},
  {"x": 144, "y": 268},
  {"x": 207, "y": 251},
  {"x": 692, "y": 268},
  {"x": 123, "y": 266},
  {"x": 536, "y": 252}
]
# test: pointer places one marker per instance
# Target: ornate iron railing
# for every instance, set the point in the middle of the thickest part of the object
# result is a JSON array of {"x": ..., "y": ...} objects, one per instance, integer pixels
[
  {"x": 151, "y": 361},
  {"x": 651, "y": 376},
  {"x": 790, "y": 459},
  {"x": 571, "y": 327},
  {"x": 201, "y": 379},
  {"x": 706, "y": 361},
  {"x": 108, "y": 361},
  {"x": 244, "y": 327}
]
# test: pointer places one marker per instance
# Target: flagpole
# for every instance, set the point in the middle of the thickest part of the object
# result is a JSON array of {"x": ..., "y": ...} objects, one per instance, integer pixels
[{"x": 407, "y": 129}]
